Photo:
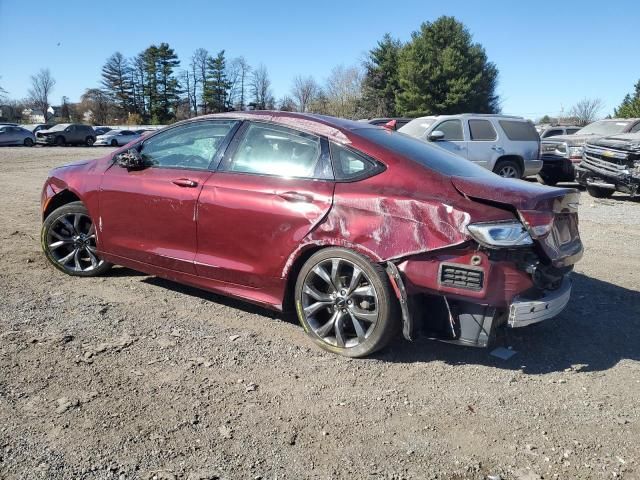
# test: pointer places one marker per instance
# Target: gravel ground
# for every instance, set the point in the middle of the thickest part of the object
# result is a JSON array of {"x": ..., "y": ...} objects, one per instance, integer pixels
[{"x": 130, "y": 376}]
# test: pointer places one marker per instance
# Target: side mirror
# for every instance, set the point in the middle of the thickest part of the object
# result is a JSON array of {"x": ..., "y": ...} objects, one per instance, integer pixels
[
  {"x": 436, "y": 136},
  {"x": 131, "y": 159}
]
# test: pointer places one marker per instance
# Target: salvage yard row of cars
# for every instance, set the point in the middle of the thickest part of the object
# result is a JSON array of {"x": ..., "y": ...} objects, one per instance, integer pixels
[{"x": 66, "y": 134}]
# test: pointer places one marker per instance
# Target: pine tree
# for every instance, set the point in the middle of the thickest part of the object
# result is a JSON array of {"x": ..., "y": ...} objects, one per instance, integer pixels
[
  {"x": 217, "y": 85},
  {"x": 442, "y": 71},
  {"x": 381, "y": 84},
  {"x": 630, "y": 106},
  {"x": 116, "y": 80}
]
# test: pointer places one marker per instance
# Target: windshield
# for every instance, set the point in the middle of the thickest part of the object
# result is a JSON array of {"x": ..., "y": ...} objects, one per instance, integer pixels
[
  {"x": 603, "y": 128},
  {"x": 427, "y": 154},
  {"x": 60, "y": 126},
  {"x": 418, "y": 127}
]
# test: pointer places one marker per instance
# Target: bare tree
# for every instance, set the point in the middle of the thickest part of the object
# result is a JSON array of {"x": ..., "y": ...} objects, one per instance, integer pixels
[
  {"x": 42, "y": 84},
  {"x": 189, "y": 83},
  {"x": 3, "y": 94},
  {"x": 99, "y": 103},
  {"x": 261, "y": 88},
  {"x": 238, "y": 76},
  {"x": 304, "y": 91},
  {"x": 199, "y": 62},
  {"x": 586, "y": 110},
  {"x": 343, "y": 91},
  {"x": 287, "y": 104}
]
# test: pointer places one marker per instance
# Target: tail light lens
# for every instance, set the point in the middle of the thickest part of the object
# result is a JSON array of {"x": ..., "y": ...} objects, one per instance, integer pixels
[
  {"x": 538, "y": 223},
  {"x": 500, "y": 234}
]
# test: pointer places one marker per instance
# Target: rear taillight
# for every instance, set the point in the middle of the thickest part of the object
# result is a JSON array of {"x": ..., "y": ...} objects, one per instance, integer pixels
[{"x": 538, "y": 223}]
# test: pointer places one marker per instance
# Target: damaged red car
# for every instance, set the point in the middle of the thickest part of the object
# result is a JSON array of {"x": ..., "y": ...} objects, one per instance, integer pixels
[{"x": 362, "y": 230}]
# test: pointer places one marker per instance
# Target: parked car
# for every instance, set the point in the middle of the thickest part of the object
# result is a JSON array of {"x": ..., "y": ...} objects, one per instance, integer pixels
[
  {"x": 555, "y": 130},
  {"x": 361, "y": 229},
  {"x": 36, "y": 127},
  {"x": 611, "y": 164},
  {"x": 506, "y": 145},
  {"x": 101, "y": 130},
  {"x": 117, "y": 138},
  {"x": 10, "y": 135},
  {"x": 560, "y": 154},
  {"x": 67, "y": 134},
  {"x": 394, "y": 123}
]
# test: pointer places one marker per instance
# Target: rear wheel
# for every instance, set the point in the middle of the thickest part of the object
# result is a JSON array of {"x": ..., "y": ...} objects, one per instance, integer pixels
[
  {"x": 28, "y": 142},
  {"x": 345, "y": 303},
  {"x": 599, "y": 192},
  {"x": 508, "y": 169},
  {"x": 68, "y": 240}
]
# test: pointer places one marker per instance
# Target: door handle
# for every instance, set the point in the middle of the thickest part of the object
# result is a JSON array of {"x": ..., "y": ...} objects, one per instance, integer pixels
[
  {"x": 497, "y": 148},
  {"x": 296, "y": 197},
  {"x": 185, "y": 182}
]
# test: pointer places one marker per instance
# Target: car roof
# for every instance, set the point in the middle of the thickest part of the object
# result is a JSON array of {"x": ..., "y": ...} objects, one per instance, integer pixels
[{"x": 323, "y": 125}]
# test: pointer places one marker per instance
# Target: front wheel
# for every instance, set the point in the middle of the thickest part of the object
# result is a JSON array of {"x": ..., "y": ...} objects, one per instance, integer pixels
[
  {"x": 89, "y": 141},
  {"x": 68, "y": 240},
  {"x": 60, "y": 141},
  {"x": 345, "y": 303},
  {"x": 114, "y": 143},
  {"x": 599, "y": 192}
]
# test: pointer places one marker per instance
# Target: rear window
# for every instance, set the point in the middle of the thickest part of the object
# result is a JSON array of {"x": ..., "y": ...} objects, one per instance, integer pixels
[
  {"x": 424, "y": 153},
  {"x": 482, "y": 130},
  {"x": 519, "y": 131}
]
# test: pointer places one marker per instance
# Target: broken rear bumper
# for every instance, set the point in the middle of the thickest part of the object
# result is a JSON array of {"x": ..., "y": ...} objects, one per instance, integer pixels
[{"x": 524, "y": 311}]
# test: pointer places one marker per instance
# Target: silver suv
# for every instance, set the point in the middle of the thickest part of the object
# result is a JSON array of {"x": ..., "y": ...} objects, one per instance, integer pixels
[{"x": 506, "y": 145}]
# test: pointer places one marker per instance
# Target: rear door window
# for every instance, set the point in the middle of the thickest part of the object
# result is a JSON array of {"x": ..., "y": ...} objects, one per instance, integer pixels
[
  {"x": 273, "y": 150},
  {"x": 519, "y": 131},
  {"x": 452, "y": 130},
  {"x": 482, "y": 130}
]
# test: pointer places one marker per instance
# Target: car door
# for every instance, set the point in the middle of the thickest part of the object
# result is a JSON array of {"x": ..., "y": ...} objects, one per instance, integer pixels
[
  {"x": 483, "y": 147},
  {"x": 6, "y": 135},
  {"x": 453, "y": 136},
  {"x": 149, "y": 215},
  {"x": 273, "y": 187}
]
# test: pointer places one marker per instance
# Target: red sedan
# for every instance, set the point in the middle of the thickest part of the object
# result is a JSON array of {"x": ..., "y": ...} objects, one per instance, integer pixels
[{"x": 361, "y": 229}]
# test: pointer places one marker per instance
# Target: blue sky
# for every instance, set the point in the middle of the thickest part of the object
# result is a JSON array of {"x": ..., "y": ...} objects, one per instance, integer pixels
[{"x": 550, "y": 54}]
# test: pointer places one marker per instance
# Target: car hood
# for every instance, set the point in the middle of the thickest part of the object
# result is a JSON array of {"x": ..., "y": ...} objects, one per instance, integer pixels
[
  {"x": 48, "y": 132},
  {"x": 571, "y": 140},
  {"x": 625, "y": 141}
]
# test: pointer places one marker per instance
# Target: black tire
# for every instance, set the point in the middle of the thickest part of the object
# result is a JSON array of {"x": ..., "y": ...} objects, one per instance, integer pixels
[
  {"x": 89, "y": 141},
  {"x": 599, "y": 192},
  {"x": 54, "y": 231},
  {"x": 28, "y": 142},
  {"x": 60, "y": 141},
  {"x": 374, "y": 279},
  {"x": 550, "y": 180},
  {"x": 114, "y": 143},
  {"x": 508, "y": 169}
]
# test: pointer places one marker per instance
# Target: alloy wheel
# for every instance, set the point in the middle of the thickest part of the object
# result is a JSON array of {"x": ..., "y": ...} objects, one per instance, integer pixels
[
  {"x": 71, "y": 241},
  {"x": 508, "y": 172},
  {"x": 340, "y": 302}
]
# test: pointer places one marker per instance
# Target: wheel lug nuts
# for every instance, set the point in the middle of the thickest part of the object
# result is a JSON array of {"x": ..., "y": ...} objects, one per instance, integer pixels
[
  {"x": 343, "y": 292},
  {"x": 349, "y": 302}
]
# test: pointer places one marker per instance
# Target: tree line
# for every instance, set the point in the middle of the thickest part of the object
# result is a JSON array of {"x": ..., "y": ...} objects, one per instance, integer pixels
[{"x": 439, "y": 70}]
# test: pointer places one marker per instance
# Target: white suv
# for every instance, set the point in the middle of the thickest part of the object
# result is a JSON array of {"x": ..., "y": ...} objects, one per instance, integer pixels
[{"x": 506, "y": 145}]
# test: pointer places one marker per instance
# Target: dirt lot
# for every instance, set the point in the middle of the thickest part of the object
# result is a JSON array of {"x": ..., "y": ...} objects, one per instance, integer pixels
[{"x": 129, "y": 376}]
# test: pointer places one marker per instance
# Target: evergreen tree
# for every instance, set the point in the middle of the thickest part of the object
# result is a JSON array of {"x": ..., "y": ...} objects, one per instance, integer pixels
[
  {"x": 161, "y": 88},
  {"x": 217, "y": 86},
  {"x": 630, "y": 106},
  {"x": 442, "y": 71},
  {"x": 116, "y": 80},
  {"x": 381, "y": 84}
]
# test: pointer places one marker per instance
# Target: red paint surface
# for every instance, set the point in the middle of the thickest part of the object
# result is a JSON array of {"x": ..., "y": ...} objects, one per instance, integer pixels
[{"x": 241, "y": 234}]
